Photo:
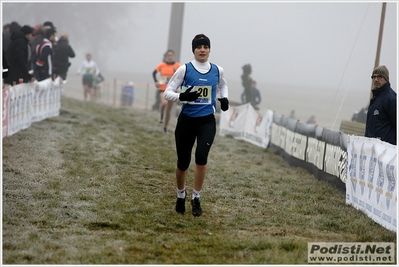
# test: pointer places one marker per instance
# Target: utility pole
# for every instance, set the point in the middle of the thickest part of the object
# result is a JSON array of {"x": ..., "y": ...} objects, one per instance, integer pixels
[
  {"x": 377, "y": 56},
  {"x": 176, "y": 28}
]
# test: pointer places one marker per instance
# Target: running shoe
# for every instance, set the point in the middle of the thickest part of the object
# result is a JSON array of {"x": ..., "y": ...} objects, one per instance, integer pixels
[
  {"x": 180, "y": 204},
  {"x": 196, "y": 207}
]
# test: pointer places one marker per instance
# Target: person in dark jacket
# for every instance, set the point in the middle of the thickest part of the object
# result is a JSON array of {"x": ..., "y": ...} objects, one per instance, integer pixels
[
  {"x": 6, "y": 36},
  {"x": 5, "y": 66},
  {"x": 62, "y": 52},
  {"x": 44, "y": 53},
  {"x": 6, "y": 42},
  {"x": 256, "y": 97},
  {"x": 38, "y": 36},
  {"x": 247, "y": 82},
  {"x": 18, "y": 56},
  {"x": 381, "y": 113},
  {"x": 7, "y": 31}
]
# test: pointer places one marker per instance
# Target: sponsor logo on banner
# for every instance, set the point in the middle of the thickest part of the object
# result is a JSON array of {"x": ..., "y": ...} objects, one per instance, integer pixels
[
  {"x": 289, "y": 141},
  {"x": 362, "y": 169},
  {"x": 372, "y": 164},
  {"x": 352, "y": 168},
  {"x": 232, "y": 122},
  {"x": 257, "y": 123},
  {"x": 315, "y": 152},
  {"x": 233, "y": 117},
  {"x": 268, "y": 128},
  {"x": 275, "y": 138},
  {"x": 380, "y": 180},
  {"x": 391, "y": 180},
  {"x": 300, "y": 142},
  {"x": 343, "y": 165},
  {"x": 336, "y": 161}
]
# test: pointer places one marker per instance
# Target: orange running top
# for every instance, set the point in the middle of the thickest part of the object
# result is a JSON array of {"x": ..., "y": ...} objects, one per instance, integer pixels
[{"x": 167, "y": 71}]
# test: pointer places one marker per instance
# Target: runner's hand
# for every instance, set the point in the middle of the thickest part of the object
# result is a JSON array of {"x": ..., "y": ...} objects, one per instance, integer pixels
[
  {"x": 188, "y": 95},
  {"x": 224, "y": 103}
]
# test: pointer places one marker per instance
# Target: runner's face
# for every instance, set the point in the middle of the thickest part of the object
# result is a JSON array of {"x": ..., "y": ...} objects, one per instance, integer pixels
[
  {"x": 170, "y": 57},
  {"x": 201, "y": 53}
]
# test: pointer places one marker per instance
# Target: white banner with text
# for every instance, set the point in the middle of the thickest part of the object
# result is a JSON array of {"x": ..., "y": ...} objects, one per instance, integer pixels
[
  {"x": 30, "y": 102},
  {"x": 371, "y": 184},
  {"x": 245, "y": 123}
]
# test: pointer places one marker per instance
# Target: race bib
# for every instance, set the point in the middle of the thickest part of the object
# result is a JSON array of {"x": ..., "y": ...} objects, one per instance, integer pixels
[
  {"x": 90, "y": 70},
  {"x": 205, "y": 97},
  {"x": 164, "y": 79}
]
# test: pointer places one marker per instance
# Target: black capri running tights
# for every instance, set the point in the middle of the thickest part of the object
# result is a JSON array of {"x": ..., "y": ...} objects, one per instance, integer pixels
[{"x": 187, "y": 130}]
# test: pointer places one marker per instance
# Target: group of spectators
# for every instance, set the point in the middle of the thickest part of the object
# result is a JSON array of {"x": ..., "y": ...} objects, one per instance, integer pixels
[{"x": 31, "y": 53}]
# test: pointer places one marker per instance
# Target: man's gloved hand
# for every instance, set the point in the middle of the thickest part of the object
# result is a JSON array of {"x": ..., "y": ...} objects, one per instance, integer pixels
[
  {"x": 224, "y": 103},
  {"x": 188, "y": 95}
]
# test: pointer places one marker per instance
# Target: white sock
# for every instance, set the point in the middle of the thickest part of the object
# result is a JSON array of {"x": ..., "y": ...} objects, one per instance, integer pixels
[
  {"x": 195, "y": 194},
  {"x": 181, "y": 193}
]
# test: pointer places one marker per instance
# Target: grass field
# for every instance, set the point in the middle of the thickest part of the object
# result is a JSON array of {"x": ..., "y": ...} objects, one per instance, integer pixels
[{"x": 96, "y": 185}]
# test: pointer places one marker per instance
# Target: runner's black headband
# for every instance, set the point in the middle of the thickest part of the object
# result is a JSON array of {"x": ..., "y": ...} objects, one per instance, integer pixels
[{"x": 199, "y": 42}]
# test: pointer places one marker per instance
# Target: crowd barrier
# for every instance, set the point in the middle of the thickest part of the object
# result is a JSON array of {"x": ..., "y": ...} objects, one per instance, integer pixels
[
  {"x": 325, "y": 153},
  {"x": 30, "y": 102}
]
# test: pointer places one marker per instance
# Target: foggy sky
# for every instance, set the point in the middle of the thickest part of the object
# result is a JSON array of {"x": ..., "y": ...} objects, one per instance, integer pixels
[
  {"x": 329, "y": 46},
  {"x": 296, "y": 43}
]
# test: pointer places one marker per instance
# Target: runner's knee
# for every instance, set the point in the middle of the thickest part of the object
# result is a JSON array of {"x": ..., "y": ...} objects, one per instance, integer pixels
[{"x": 183, "y": 165}]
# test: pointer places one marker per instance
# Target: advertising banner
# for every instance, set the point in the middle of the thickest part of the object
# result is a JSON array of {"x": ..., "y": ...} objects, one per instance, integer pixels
[
  {"x": 371, "y": 179},
  {"x": 46, "y": 101},
  {"x": 267, "y": 122},
  {"x": 5, "y": 110},
  {"x": 257, "y": 128},
  {"x": 20, "y": 107},
  {"x": 29, "y": 102},
  {"x": 232, "y": 121},
  {"x": 277, "y": 140},
  {"x": 244, "y": 122}
]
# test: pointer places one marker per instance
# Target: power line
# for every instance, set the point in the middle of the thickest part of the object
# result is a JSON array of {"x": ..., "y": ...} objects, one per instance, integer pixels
[{"x": 346, "y": 67}]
